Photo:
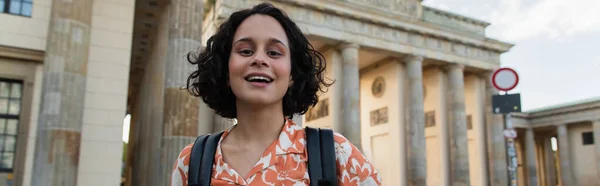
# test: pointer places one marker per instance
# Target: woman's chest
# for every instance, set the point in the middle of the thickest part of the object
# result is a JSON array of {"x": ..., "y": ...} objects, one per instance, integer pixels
[{"x": 284, "y": 169}]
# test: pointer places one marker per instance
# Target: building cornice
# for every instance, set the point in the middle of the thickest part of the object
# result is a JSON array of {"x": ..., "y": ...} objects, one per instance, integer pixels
[
  {"x": 405, "y": 23},
  {"x": 22, "y": 54}
]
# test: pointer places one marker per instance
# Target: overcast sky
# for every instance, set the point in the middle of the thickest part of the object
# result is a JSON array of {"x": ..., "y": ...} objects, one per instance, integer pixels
[{"x": 557, "y": 44}]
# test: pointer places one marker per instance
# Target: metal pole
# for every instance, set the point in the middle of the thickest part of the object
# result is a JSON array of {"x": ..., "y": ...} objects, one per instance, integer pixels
[{"x": 512, "y": 153}]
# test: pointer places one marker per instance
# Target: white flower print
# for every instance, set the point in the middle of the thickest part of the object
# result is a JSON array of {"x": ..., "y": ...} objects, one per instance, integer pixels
[
  {"x": 368, "y": 182},
  {"x": 343, "y": 152},
  {"x": 284, "y": 141},
  {"x": 265, "y": 161}
]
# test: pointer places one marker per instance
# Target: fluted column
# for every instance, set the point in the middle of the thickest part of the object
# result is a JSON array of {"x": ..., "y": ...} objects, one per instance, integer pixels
[
  {"x": 596, "y": 126},
  {"x": 181, "y": 110},
  {"x": 350, "y": 111},
  {"x": 530, "y": 156},
  {"x": 415, "y": 125},
  {"x": 61, "y": 115},
  {"x": 566, "y": 172},
  {"x": 496, "y": 142},
  {"x": 457, "y": 128}
]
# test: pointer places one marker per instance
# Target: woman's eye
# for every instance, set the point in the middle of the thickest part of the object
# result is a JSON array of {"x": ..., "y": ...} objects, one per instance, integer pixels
[
  {"x": 246, "y": 52},
  {"x": 273, "y": 53}
]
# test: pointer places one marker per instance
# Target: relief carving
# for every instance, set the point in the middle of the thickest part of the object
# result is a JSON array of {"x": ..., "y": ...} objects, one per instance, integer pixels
[
  {"x": 318, "y": 111},
  {"x": 407, "y": 7},
  {"x": 378, "y": 87},
  {"x": 430, "y": 119},
  {"x": 379, "y": 116},
  {"x": 469, "y": 122}
]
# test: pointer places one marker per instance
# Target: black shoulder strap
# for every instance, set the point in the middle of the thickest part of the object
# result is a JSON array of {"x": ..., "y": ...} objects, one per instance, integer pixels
[
  {"x": 328, "y": 157},
  {"x": 321, "y": 157},
  {"x": 313, "y": 146},
  {"x": 195, "y": 158},
  {"x": 201, "y": 159}
]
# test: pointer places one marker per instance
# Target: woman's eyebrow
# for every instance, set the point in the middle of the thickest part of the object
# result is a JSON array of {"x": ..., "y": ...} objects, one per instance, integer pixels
[
  {"x": 273, "y": 40},
  {"x": 245, "y": 39},
  {"x": 249, "y": 40}
]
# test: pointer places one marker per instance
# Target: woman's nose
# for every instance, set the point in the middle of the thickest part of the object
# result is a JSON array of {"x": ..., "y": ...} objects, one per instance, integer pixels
[{"x": 260, "y": 60}]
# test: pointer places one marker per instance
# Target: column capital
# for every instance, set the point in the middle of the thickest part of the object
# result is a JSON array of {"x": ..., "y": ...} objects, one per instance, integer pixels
[
  {"x": 346, "y": 45},
  {"x": 412, "y": 58},
  {"x": 484, "y": 75},
  {"x": 452, "y": 66}
]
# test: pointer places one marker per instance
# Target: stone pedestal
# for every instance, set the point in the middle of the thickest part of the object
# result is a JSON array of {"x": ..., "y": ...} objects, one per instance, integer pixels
[
  {"x": 61, "y": 115},
  {"x": 457, "y": 128},
  {"x": 530, "y": 156},
  {"x": 350, "y": 111},
  {"x": 415, "y": 123}
]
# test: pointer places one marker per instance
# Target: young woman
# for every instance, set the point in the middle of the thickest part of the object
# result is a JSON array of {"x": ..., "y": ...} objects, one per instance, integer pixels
[{"x": 260, "y": 69}]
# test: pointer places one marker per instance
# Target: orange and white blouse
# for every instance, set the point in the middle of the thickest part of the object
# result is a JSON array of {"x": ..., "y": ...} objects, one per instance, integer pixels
[{"x": 284, "y": 162}]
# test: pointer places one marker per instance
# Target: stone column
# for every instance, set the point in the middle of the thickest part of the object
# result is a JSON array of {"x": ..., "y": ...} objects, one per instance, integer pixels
[
  {"x": 566, "y": 172},
  {"x": 334, "y": 64},
  {"x": 415, "y": 124},
  {"x": 457, "y": 126},
  {"x": 350, "y": 111},
  {"x": 530, "y": 156},
  {"x": 61, "y": 115},
  {"x": 496, "y": 142},
  {"x": 550, "y": 162},
  {"x": 181, "y": 110},
  {"x": 596, "y": 126}
]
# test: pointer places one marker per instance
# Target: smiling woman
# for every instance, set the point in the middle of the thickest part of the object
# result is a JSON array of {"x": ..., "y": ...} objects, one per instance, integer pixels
[{"x": 260, "y": 69}]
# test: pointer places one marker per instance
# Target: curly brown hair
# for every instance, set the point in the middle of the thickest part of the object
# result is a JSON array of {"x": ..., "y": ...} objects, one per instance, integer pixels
[{"x": 210, "y": 80}]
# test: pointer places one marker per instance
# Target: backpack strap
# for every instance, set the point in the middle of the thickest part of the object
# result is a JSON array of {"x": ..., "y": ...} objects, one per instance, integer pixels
[
  {"x": 321, "y": 157},
  {"x": 328, "y": 158},
  {"x": 195, "y": 158},
  {"x": 202, "y": 158},
  {"x": 313, "y": 146}
]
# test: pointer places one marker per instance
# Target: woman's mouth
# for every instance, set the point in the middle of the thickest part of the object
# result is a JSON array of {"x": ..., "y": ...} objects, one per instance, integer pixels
[{"x": 259, "y": 80}]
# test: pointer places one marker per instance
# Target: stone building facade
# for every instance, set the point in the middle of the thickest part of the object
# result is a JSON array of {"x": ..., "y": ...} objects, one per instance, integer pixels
[{"x": 412, "y": 89}]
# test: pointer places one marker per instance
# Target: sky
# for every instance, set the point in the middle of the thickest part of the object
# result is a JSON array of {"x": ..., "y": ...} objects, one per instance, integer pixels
[{"x": 556, "y": 52}]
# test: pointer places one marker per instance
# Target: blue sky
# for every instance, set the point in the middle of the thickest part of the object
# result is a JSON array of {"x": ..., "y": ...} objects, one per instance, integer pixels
[{"x": 556, "y": 52}]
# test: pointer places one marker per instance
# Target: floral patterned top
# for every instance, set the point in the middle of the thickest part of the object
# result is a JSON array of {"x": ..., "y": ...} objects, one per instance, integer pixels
[{"x": 284, "y": 163}]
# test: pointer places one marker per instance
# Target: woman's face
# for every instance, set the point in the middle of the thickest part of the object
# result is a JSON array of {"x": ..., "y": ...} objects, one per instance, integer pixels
[{"x": 259, "y": 63}]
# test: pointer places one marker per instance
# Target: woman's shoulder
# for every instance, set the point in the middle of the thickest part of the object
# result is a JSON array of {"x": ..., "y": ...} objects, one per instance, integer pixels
[
  {"x": 180, "y": 169},
  {"x": 183, "y": 159},
  {"x": 353, "y": 166}
]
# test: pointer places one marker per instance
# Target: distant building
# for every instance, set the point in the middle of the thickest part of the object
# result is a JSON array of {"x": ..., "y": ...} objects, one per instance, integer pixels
[
  {"x": 575, "y": 129},
  {"x": 71, "y": 70}
]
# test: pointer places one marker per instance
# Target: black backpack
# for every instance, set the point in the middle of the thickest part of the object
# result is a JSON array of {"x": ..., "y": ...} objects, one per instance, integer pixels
[{"x": 319, "y": 144}]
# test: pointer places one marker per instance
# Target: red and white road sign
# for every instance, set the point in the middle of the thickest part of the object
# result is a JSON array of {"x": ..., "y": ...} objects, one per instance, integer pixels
[
  {"x": 505, "y": 79},
  {"x": 510, "y": 133}
]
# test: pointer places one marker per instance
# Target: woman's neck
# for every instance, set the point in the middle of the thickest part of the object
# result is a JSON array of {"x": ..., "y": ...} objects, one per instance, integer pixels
[{"x": 259, "y": 124}]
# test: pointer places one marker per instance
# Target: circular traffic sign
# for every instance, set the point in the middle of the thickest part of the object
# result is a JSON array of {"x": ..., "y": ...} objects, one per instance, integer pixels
[{"x": 505, "y": 79}]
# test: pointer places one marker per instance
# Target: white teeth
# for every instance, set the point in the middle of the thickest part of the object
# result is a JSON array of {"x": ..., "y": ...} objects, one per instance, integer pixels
[{"x": 258, "y": 78}]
